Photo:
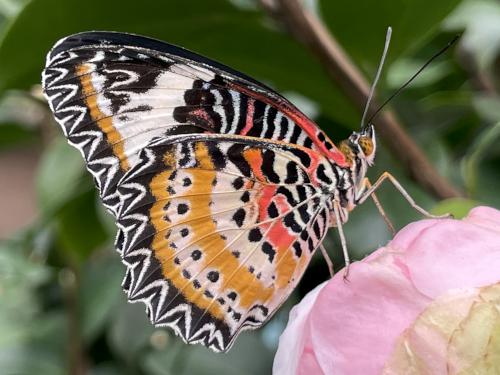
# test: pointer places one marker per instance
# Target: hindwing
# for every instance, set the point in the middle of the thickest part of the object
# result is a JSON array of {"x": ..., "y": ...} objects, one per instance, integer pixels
[{"x": 216, "y": 231}]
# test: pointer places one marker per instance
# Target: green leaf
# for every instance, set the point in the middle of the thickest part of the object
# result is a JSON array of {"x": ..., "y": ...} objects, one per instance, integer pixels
[
  {"x": 31, "y": 339},
  {"x": 14, "y": 134},
  {"x": 28, "y": 360},
  {"x": 198, "y": 25},
  {"x": 404, "y": 68},
  {"x": 480, "y": 19},
  {"x": 100, "y": 291},
  {"x": 458, "y": 207},
  {"x": 79, "y": 228},
  {"x": 126, "y": 339},
  {"x": 59, "y": 176},
  {"x": 178, "y": 358},
  {"x": 19, "y": 278},
  {"x": 478, "y": 151},
  {"x": 361, "y": 29},
  {"x": 487, "y": 106},
  {"x": 20, "y": 117}
]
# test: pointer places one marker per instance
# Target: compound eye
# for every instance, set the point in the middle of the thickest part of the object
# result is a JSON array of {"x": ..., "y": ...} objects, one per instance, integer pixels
[{"x": 366, "y": 145}]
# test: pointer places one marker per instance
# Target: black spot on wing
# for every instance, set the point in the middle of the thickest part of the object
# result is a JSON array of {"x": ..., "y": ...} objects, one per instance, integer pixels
[
  {"x": 322, "y": 175},
  {"x": 291, "y": 223},
  {"x": 245, "y": 197},
  {"x": 297, "y": 249},
  {"x": 268, "y": 159},
  {"x": 235, "y": 155},
  {"x": 272, "y": 210},
  {"x": 305, "y": 159},
  {"x": 269, "y": 251},
  {"x": 216, "y": 155},
  {"x": 213, "y": 276},
  {"x": 186, "y": 155},
  {"x": 238, "y": 183},
  {"x": 255, "y": 235},
  {"x": 239, "y": 216},
  {"x": 258, "y": 119},
  {"x": 291, "y": 173},
  {"x": 271, "y": 116},
  {"x": 284, "y": 124},
  {"x": 296, "y": 134}
]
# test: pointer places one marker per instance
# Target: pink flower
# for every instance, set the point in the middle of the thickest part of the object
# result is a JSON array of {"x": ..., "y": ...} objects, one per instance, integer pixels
[{"x": 419, "y": 305}]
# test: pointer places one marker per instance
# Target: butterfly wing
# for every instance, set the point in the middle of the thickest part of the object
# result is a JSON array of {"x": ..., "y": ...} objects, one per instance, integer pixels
[
  {"x": 113, "y": 93},
  {"x": 217, "y": 230}
]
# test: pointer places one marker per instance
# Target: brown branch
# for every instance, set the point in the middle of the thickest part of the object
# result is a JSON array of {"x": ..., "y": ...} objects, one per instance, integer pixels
[
  {"x": 309, "y": 30},
  {"x": 70, "y": 282}
]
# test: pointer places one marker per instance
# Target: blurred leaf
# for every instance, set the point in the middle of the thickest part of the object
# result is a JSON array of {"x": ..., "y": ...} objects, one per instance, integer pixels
[
  {"x": 59, "y": 176},
  {"x": 20, "y": 116},
  {"x": 10, "y": 8},
  {"x": 487, "y": 106},
  {"x": 279, "y": 61},
  {"x": 107, "y": 220},
  {"x": 361, "y": 29},
  {"x": 108, "y": 368},
  {"x": 481, "y": 21},
  {"x": 126, "y": 338},
  {"x": 26, "y": 360},
  {"x": 18, "y": 280},
  {"x": 100, "y": 292},
  {"x": 236, "y": 361},
  {"x": 458, "y": 207},
  {"x": 487, "y": 188},
  {"x": 404, "y": 68},
  {"x": 440, "y": 100},
  {"x": 42, "y": 349},
  {"x": 178, "y": 359},
  {"x": 14, "y": 134},
  {"x": 80, "y": 231},
  {"x": 470, "y": 163},
  {"x": 30, "y": 341}
]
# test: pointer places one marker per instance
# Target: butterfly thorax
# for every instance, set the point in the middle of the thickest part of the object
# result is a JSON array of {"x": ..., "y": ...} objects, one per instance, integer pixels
[{"x": 359, "y": 152}]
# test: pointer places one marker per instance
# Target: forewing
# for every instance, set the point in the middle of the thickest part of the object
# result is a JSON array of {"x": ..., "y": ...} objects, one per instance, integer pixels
[
  {"x": 113, "y": 93},
  {"x": 216, "y": 231}
]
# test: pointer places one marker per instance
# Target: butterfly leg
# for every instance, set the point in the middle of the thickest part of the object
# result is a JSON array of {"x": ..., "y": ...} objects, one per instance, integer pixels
[
  {"x": 367, "y": 184},
  {"x": 327, "y": 259},
  {"x": 336, "y": 210},
  {"x": 404, "y": 193}
]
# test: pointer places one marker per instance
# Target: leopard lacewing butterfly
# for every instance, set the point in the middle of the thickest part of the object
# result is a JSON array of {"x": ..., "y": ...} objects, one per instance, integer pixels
[{"x": 222, "y": 189}]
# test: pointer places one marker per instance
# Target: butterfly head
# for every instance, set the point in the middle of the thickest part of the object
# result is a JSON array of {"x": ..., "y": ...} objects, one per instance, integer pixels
[{"x": 359, "y": 151}]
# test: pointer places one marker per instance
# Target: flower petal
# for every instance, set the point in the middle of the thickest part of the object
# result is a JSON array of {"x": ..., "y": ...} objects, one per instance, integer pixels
[
  {"x": 294, "y": 339},
  {"x": 354, "y": 324},
  {"x": 451, "y": 254},
  {"x": 458, "y": 333},
  {"x": 353, "y": 327}
]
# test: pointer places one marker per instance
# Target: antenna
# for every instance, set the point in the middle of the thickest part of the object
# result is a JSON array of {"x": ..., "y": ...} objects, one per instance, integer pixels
[
  {"x": 377, "y": 76},
  {"x": 436, "y": 55}
]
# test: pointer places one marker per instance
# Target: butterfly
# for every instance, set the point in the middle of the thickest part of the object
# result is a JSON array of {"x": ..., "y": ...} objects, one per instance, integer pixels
[{"x": 222, "y": 190}]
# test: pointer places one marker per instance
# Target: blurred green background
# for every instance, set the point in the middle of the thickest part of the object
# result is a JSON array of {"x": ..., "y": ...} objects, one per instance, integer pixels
[{"x": 62, "y": 309}]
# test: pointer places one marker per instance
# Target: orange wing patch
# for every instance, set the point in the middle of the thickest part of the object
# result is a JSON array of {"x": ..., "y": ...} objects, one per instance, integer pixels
[
  {"x": 104, "y": 122},
  {"x": 219, "y": 267}
]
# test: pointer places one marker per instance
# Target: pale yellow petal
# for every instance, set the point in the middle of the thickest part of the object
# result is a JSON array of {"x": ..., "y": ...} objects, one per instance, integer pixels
[{"x": 458, "y": 333}]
